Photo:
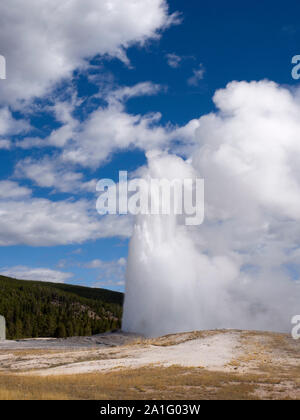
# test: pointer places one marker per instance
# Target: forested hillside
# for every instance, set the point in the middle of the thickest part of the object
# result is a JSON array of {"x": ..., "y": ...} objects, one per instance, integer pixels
[{"x": 39, "y": 309}]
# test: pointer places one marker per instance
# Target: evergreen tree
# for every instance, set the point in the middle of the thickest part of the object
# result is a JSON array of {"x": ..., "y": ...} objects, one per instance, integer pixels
[
  {"x": 35, "y": 309},
  {"x": 61, "y": 331}
]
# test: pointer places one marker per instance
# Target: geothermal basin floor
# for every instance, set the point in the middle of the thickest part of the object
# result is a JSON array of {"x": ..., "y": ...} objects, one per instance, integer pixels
[
  {"x": 218, "y": 364},
  {"x": 217, "y": 350}
]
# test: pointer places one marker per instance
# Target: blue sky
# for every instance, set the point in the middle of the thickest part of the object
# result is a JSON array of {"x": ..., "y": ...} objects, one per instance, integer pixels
[{"x": 206, "y": 46}]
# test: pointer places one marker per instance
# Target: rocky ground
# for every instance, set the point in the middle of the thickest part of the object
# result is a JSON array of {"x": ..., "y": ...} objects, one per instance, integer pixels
[{"x": 100, "y": 340}]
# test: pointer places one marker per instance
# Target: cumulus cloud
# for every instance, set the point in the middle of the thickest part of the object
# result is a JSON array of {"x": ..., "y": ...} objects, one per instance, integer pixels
[
  {"x": 12, "y": 190},
  {"x": 254, "y": 141},
  {"x": 110, "y": 128},
  {"x": 62, "y": 111},
  {"x": 50, "y": 173},
  {"x": 41, "y": 274},
  {"x": 60, "y": 38},
  {"x": 41, "y": 222},
  {"x": 45, "y": 41},
  {"x": 10, "y": 126}
]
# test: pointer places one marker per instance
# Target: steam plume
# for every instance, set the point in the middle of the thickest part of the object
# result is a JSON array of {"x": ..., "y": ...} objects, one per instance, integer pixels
[{"x": 240, "y": 269}]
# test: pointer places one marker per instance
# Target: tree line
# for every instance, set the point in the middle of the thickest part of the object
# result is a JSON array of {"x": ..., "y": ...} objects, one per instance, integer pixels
[{"x": 37, "y": 309}]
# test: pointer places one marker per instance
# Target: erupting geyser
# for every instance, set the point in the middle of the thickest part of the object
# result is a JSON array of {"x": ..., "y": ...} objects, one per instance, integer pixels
[
  {"x": 177, "y": 280},
  {"x": 171, "y": 286},
  {"x": 160, "y": 293}
]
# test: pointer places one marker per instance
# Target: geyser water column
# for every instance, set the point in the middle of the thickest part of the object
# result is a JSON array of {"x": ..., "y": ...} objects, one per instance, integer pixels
[
  {"x": 158, "y": 298},
  {"x": 164, "y": 287}
]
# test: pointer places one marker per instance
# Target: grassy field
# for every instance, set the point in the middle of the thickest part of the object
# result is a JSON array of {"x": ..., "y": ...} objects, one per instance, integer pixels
[
  {"x": 145, "y": 383},
  {"x": 174, "y": 383}
]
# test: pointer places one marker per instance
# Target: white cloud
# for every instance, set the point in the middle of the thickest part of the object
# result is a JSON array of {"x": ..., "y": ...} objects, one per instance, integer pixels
[
  {"x": 198, "y": 74},
  {"x": 77, "y": 251},
  {"x": 97, "y": 263},
  {"x": 173, "y": 60},
  {"x": 110, "y": 273},
  {"x": 40, "y": 274},
  {"x": 106, "y": 130},
  {"x": 62, "y": 112},
  {"x": 111, "y": 128},
  {"x": 44, "y": 41},
  {"x": 5, "y": 144},
  {"x": 50, "y": 173},
  {"x": 41, "y": 222},
  {"x": 254, "y": 142},
  {"x": 12, "y": 190},
  {"x": 10, "y": 126},
  {"x": 115, "y": 97}
]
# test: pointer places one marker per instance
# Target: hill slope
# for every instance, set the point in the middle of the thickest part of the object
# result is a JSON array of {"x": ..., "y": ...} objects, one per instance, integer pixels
[{"x": 40, "y": 309}]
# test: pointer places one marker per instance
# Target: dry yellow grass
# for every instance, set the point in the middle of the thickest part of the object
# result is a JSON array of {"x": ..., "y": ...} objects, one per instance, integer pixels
[
  {"x": 146, "y": 383},
  {"x": 172, "y": 383}
]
